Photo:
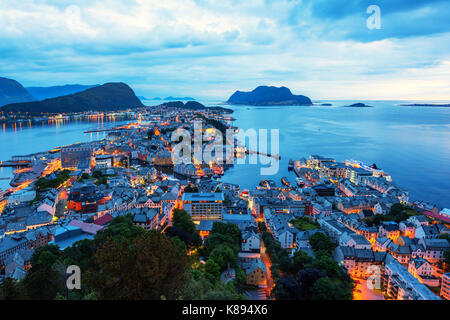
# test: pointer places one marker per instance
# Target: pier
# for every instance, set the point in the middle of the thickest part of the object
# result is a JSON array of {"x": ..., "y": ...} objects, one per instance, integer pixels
[
  {"x": 104, "y": 130},
  {"x": 11, "y": 163},
  {"x": 275, "y": 156}
]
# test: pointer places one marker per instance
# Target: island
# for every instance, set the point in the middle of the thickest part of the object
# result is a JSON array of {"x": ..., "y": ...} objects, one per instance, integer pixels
[
  {"x": 107, "y": 97},
  {"x": 425, "y": 105},
  {"x": 358, "y": 105},
  {"x": 177, "y": 98},
  {"x": 193, "y": 105},
  {"x": 269, "y": 96}
]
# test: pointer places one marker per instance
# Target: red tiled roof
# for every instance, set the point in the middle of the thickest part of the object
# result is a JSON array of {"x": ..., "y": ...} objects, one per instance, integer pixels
[
  {"x": 103, "y": 219},
  {"x": 438, "y": 216},
  {"x": 86, "y": 227}
]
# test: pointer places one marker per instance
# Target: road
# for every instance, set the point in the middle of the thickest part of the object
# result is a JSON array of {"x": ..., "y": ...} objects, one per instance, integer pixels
[
  {"x": 266, "y": 260},
  {"x": 366, "y": 293}
]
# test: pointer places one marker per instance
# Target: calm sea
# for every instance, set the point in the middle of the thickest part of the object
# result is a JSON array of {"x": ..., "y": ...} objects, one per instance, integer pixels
[{"x": 410, "y": 143}]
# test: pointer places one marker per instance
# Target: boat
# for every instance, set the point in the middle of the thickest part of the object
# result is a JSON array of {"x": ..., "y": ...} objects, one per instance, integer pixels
[
  {"x": 300, "y": 182},
  {"x": 267, "y": 184},
  {"x": 285, "y": 181},
  {"x": 291, "y": 165}
]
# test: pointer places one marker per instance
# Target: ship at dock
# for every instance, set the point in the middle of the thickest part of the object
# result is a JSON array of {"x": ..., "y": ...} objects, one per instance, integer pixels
[
  {"x": 291, "y": 165},
  {"x": 300, "y": 182},
  {"x": 285, "y": 182}
]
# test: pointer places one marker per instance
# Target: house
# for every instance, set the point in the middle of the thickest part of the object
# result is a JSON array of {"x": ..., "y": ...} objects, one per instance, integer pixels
[
  {"x": 359, "y": 262},
  {"x": 423, "y": 271},
  {"x": 382, "y": 244},
  {"x": 103, "y": 220},
  {"x": 10, "y": 244},
  {"x": 419, "y": 220},
  {"x": 39, "y": 237},
  {"x": 407, "y": 229},
  {"x": 17, "y": 265},
  {"x": 434, "y": 249},
  {"x": 147, "y": 220},
  {"x": 48, "y": 206},
  {"x": 250, "y": 241},
  {"x": 354, "y": 240},
  {"x": 445, "y": 287},
  {"x": 402, "y": 285},
  {"x": 255, "y": 272},
  {"x": 389, "y": 229},
  {"x": 431, "y": 231}
]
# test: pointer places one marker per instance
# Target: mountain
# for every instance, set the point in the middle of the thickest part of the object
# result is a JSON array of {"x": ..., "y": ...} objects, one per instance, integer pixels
[
  {"x": 177, "y": 98},
  {"x": 42, "y": 93},
  {"x": 12, "y": 91},
  {"x": 110, "y": 96},
  {"x": 267, "y": 96}
]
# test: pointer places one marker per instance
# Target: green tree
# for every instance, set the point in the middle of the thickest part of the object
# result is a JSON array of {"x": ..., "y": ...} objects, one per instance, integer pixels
[
  {"x": 300, "y": 260},
  {"x": 323, "y": 289},
  {"x": 182, "y": 220},
  {"x": 262, "y": 226},
  {"x": 223, "y": 255},
  {"x": 212, "y": 270},
  {"x": 320, "y": 241},
  {"x": 10, "y": 289},
  {"x": 120, "y": 228},
  {"x": 149, "y": 266}
]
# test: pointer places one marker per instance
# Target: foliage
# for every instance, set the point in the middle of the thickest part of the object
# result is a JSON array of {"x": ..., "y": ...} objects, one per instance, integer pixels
[
  {"x": 191, "y": 188},
  {"x": 183, "y": 221},
  {"x": 262, "y": 226},
  {"x": 44, "y": 184},
  {"x": 305, "y": 224},
  {"x": 398, "y": 213},
  {"x": 10, "y": 289},
  {"x": 149, "y": 266},
  {"x": 319, "y": 241},
  {"x": 120, "y": 228}
]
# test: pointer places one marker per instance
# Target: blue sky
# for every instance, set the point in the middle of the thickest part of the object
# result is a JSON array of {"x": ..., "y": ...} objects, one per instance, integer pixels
[{"x": 210, "y": 48}]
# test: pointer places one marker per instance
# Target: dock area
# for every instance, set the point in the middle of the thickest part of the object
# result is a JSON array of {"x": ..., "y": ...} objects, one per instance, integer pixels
[{"x": 15, "y": 163}]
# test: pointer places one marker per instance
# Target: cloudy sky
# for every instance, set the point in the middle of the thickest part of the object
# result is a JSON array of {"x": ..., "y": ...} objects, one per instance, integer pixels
[{"x": 210, "y": 48}]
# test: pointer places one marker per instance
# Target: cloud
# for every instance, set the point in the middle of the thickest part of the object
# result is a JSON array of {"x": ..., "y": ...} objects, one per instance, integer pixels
[{"x": 209, "y": 48}]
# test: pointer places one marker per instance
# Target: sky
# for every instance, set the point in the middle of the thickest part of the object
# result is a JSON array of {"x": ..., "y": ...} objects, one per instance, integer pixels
[{"x": 207, "y": 49}]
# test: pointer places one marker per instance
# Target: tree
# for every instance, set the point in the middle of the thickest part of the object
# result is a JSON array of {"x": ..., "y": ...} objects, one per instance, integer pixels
[
  {"x": 212, "y": 270},
  {"x": 320, "y": 241},
  {"x": 262, "y": 226},
  {"x": 300, "y": 260},
  {"x": 120, "y": 228},
  {"x": 223, "y": 255},
  {"x": 182, "y": 220},
  {"x": 323, "y": 289},
  {"x": 191, "y": 188},
  {"x": 149, "y": 266},
  {"x": 229, "y": 229},
  {"x": 10, "y": 290}
]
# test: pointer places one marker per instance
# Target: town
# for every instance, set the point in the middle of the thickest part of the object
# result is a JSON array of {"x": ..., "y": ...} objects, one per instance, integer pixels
[{"x": 345, "y": 226}]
